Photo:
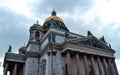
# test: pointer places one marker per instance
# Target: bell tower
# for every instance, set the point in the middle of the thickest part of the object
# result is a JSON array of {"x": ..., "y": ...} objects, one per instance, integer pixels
[
  {"x": 35, "y": 32},
  {"x": 35, "y": 37}
]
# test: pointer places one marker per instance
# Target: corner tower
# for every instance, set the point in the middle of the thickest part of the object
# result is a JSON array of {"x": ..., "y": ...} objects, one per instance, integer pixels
[{"x": 35, "y": 37}]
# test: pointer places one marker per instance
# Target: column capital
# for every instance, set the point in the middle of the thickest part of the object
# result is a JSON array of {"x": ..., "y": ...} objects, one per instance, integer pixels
[
  {"x": 68, "y": 51},
  {"x": 76, "y": 53}
]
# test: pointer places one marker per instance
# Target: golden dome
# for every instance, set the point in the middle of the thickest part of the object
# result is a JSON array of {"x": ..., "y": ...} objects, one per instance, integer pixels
[
  {"x": 58, "y": 22},
  {"x": 54, "y": 17}
]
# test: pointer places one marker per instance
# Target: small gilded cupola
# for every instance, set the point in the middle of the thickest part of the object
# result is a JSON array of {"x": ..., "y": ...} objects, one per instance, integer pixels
[{"x": 54, "y": 21}]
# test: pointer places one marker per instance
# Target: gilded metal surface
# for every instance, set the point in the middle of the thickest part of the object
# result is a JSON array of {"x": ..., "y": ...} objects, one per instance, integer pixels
[{"x": 56, "y": 18}]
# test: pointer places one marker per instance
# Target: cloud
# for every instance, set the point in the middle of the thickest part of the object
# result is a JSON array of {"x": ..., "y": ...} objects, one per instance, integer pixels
[
  {"x": 101, "y": 17},
  {"x": 18, "y": 6},
  {"x": 13, "y": 30},
  {"x": 79, "y": 16},
  {"x": 44, "y": 7}
]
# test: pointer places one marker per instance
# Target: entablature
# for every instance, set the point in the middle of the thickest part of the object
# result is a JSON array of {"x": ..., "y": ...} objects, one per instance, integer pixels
[
  {"x": 88, "y": 50},
  {"x": 12, "y": 57}
]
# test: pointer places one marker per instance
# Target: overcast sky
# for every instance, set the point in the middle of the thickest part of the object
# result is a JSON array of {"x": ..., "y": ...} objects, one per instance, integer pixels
[{"x": 101, "y": 17}]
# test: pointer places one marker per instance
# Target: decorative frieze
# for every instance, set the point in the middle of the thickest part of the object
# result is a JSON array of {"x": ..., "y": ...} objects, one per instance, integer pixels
[{"x": 81, "y": 49}]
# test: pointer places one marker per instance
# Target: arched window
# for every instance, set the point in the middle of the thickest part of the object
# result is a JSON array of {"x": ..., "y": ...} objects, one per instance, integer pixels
[
  {"x": 37, "y": 35},
  {"x": 43, "y": 67}
]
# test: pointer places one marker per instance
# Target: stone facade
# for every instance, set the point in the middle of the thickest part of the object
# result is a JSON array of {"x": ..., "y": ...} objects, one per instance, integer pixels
[{"x": 53, "y": 50}]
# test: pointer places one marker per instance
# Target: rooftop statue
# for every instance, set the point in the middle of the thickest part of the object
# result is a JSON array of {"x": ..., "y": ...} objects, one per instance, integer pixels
[{"x": 10, "y": 48}]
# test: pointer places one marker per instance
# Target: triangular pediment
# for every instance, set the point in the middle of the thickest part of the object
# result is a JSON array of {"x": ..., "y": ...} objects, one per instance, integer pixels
[{"x": 91, "y": 41}]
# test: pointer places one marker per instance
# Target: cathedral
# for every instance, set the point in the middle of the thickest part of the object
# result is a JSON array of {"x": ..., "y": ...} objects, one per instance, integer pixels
[{"x": 53, "y": 50}]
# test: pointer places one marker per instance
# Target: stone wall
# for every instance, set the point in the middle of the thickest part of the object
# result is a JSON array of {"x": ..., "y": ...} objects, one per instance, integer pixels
[{"x": 31, "y": 66}]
